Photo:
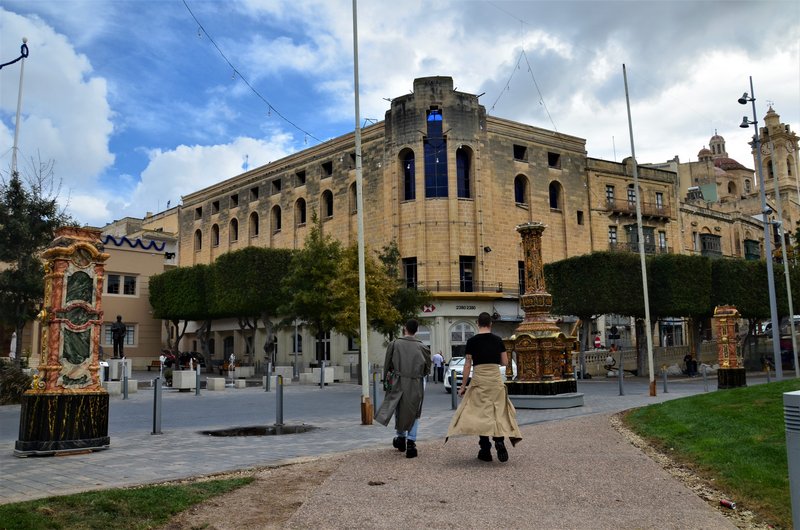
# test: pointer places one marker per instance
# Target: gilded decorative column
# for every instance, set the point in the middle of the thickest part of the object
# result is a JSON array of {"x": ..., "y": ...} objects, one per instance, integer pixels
[
  {"x": 542, "y": 349},
  {"x": 731, "y": 373},
  {"x": 67, "y": 408}
]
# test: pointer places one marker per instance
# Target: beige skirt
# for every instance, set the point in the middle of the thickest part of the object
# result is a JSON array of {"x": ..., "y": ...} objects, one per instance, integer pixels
[{"x": 486, "y": 409}]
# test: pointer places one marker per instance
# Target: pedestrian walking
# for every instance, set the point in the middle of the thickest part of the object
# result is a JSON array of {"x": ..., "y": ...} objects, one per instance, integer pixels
[
  {"x": 407, "y": 363},
  {"x": 438, "y": 367},
  {"x": 485, "y": 409}
]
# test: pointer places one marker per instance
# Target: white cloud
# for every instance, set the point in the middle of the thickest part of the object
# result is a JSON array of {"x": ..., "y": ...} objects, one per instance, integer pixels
[
  {"x": 186, "y": 169},
  {"x": 65, "y": 114}
]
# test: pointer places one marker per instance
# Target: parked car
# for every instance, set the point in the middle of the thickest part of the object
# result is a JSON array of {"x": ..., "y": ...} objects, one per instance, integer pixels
[{"x": 457, "y": 365}]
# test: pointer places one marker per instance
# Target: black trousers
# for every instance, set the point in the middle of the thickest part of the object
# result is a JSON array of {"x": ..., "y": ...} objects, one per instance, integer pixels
[
  {"x": 438, "y": 374},
  {"x": 484, "y": 442},
  {"x": 118, "y": 348}
]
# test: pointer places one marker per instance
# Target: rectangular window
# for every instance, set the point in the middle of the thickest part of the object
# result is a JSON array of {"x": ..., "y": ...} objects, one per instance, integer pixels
[
  {"x": 662, "y": 241},
  {"x": 612, "y": 235},
  {"x": 121, "y": 284},
  {"x": 466, "y": 267},
  {"x": 631, "y": 195},
  {"x": 435, "y": 148},
  {"x": 695, "y": 243},
  {"x": 254, "y": 193},
  {"x": 324, "y": 346},
  {"x": 234, "y": 200},
  {"x": 327, "y": 169},
  {"x": 410, "y": 272},
  {"x": 580, "y": 217},
  {"x": 113, "y": 284},
  {"x": 276, "y": 186},
  {"x": 659, "y": 200},
  {"x": 130, "y": 335},
  {"x": 129, "y": 286},
  {"x": 463, "y": 174},
  {"x": 353, "y": 344},
  {"x": 520, "y": 153},
  {"x": 521, "y": 275},
  {"x": 300, "y": 177},
  {"x": 215, "y": 207},
  {"x": 554, "y": 160},
  {"x": 409, "y": 178},
  {"x": 609, "y": 194},
  {"x": 198, "y": 212}
]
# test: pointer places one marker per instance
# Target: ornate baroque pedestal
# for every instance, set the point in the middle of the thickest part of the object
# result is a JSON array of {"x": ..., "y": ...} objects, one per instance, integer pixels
[
  {"x": 731, "y": 373},
  {"x": 67, "y": 408},
  {"x": 544, "y": 375}
]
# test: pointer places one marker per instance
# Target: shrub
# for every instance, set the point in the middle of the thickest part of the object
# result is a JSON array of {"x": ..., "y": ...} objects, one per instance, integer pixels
[{"x": 13, "y": 383}]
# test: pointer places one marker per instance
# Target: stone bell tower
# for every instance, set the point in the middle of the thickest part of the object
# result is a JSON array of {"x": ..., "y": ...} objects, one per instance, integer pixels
[{"x": 67, "y": 408}]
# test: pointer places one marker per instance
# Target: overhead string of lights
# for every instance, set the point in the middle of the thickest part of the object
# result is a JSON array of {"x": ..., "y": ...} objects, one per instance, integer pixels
[{"x": 270, "y": 108}]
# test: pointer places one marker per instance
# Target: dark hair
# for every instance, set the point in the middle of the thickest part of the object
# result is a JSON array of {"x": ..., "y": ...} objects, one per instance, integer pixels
[
  {"x": 484, "y": 320},
  {"x": 411, "y": 326}
]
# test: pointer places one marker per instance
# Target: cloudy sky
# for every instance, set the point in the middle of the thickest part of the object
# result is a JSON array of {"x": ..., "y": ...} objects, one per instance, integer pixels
[{"x": 138, "y": 102}]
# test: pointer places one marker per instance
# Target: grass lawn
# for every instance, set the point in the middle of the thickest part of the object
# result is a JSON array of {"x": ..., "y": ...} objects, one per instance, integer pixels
[
  {"x": 120, "y": 509},
  {"x": 736, "y": 437}
]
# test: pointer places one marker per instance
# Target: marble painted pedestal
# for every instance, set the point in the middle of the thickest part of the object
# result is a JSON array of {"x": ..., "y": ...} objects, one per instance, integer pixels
[{"x": 52, "y": 423}]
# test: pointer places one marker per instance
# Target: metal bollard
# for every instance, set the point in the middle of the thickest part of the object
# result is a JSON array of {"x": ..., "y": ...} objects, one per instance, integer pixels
[
  {"x": 279, "y": 400},
  {"x": 157, "y": 406},
  {"x": 322, "y": 374},
  {"x": 269, "y": 374},
  {"x": 375, "y": 389},
  {"x": 705, "y": 378},
  {"x": 768, "y": 373},
  {"x": 197, "y": 380},
  {"x": 664, "y": 371},
  {"x": 621, "y": 376},
  {"x": 453, "y": 391},
  {"x": 125, "y": 384}
]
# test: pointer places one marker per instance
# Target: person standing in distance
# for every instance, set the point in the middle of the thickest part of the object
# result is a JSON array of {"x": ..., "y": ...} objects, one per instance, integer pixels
[
  {"x": 118, "y": 332},
  {"x": 411, "y": 360},
  {"x": 438, "y": 367},
  {"x": 486, "y": 409}
]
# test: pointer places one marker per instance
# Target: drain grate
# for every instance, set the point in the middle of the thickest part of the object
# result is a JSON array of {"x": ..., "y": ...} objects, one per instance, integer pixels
[{"x": 260, "y": 430}]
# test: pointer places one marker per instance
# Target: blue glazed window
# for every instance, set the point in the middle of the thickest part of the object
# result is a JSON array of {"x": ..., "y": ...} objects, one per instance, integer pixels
[{"x": 435, "y": 157}]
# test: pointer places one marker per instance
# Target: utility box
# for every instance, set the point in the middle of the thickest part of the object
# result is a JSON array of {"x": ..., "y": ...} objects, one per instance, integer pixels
[{"x": 791, "y": 414}]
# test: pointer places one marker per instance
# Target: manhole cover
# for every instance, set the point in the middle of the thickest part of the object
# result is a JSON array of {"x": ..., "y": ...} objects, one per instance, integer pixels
[{"x": 260, "y": 430}]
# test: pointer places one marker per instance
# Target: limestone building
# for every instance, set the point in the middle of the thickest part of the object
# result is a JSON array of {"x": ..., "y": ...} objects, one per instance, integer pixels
[{"x": 449, "y": 184}]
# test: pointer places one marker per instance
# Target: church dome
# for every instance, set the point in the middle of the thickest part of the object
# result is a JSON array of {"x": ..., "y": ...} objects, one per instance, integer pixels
[
  {"x": 705, "y": 151},
  {"x": 728, "y": 164}
]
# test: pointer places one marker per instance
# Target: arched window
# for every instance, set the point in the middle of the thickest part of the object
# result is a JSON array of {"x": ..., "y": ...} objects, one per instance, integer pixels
[
  {"x": 556, "y": 199},
  {"x": 254, "y": 228},
  {"x": 215, "y": 235},
  {"x": 300, "y": 212},
  {"x": 198, "y": 240},
  {"x": 327, "y": 204},
  {"x": 353, "y": 198},
  {"x": 747, "y": 186},
  {"x": 459, "y": 334},
  {"x": 234, "y": 230},
  {"x": 435, "y": 147},
  {"x": 463, "y": 172},
  {"x": 409, "y": 174},
  {"x": 276, "y": 218},
  {"x": 521, "y": 189},
  {"x": 731, "y": 188}
]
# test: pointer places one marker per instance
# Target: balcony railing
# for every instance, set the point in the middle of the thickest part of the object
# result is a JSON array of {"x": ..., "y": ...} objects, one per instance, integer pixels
[
  {"x": 625, "y": 207},
  {"x": 649, "y": 248},
  {"x": 467, "y": 287}
]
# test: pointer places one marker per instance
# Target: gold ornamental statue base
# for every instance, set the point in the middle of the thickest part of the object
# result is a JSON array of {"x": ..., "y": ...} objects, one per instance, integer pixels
[
  {"x": 545, "y": 379},
  {"x": 66, "y": 409}
]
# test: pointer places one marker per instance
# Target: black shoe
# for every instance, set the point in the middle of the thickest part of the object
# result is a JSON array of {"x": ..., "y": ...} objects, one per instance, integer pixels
[
  {"x": 485, "y": 455},
  {"x": 502, "y": 453},
  {"x": 411, "y": 449},
  {"x": 399, "y": 443}
]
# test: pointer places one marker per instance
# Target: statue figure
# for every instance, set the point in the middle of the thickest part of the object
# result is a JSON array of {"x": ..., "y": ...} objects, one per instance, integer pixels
[{"x": 118, "y": 332}]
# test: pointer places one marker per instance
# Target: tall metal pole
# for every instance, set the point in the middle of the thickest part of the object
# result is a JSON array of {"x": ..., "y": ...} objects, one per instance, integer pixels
[
  {"x": 23, "y": 54},
  {"x": 366, "y": 404},
  {"x": 642, "y": 260},
  {"x": 783, "y": 256},
  {"x": 773, "y": 305}
]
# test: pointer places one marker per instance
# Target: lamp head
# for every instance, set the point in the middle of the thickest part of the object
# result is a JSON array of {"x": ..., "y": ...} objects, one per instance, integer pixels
[
  {"x": 487, "y": 249},
  {"x": 744, "y": 99},
  {"x": 745, "y": 123}
]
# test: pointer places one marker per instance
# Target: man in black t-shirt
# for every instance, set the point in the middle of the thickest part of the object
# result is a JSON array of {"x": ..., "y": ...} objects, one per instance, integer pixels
[{"x": 486, "y": 409}]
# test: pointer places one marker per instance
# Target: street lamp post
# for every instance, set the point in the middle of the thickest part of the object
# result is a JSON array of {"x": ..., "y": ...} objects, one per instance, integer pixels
[
  {"x": 23, "y": 53},
  {"x": 765, "y": 211}
]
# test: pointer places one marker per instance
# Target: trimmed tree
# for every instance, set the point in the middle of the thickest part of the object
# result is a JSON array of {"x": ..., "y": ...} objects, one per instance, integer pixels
[{"x": 181, "y": 294}]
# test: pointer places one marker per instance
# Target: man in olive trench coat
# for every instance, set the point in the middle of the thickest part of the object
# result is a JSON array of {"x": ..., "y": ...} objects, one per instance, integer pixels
[{"x": 411, "y": 360}]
